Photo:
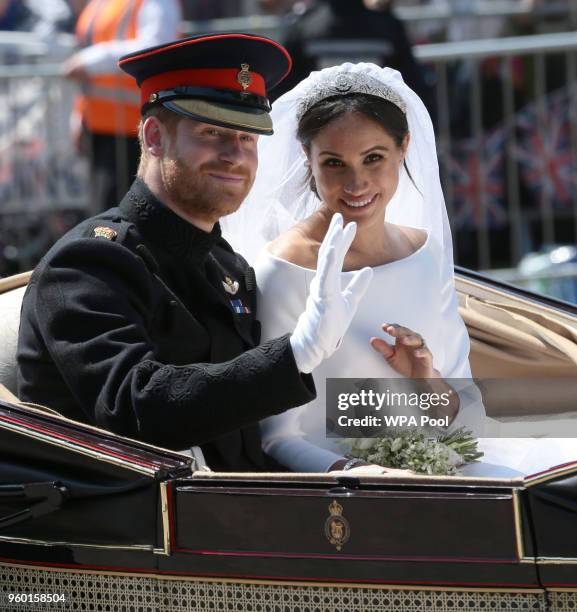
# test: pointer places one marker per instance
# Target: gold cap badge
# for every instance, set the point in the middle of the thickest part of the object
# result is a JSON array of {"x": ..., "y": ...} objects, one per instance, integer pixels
[
  {"x": 105, "y": 232},
  {"x": 244, "y": 77}
]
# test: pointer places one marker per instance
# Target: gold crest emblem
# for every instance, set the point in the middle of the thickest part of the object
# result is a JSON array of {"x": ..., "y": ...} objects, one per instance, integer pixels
[
  {"x": 337, "y": 530},
  {"x": 244, "y": 77},
  {"x": 105, "y": 232},
  {"x": 230, "y": 285}
]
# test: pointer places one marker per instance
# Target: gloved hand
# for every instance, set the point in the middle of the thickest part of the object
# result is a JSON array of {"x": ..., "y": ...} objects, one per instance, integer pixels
[{"x": 328, "y": 311}]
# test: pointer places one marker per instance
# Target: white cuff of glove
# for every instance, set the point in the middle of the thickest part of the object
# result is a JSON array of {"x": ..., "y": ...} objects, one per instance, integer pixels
[{"x": 308, "y": 354}]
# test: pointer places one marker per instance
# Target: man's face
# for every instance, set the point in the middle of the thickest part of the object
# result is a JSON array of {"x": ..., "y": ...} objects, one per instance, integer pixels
[{"x": 207, "y": 170}]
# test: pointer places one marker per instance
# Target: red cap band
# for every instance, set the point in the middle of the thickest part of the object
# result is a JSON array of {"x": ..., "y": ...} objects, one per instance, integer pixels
[{"x": 218, "y": 78}]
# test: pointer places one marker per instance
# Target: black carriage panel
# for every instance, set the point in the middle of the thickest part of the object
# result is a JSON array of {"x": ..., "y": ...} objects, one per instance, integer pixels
[
  {"x": 397, "y": 524},
  {"x": 386, "y": 533},
  {"x": 69, "y": 485},
  {"x": 552, "y": 506}
]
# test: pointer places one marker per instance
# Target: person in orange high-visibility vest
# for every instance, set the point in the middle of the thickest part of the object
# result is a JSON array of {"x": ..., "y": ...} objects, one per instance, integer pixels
[{"x": 107, "y": 111}]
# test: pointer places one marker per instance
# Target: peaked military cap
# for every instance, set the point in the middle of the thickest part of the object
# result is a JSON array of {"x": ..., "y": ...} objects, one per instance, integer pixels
[{"x": 221, "y": 79}]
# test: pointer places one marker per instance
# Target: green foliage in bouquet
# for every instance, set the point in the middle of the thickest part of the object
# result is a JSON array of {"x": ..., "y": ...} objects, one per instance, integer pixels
[{"x": 414, "y": 451}]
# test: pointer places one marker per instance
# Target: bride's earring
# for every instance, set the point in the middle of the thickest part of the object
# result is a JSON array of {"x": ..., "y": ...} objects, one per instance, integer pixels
[
  {"x": 313, "y": 186},
  {"x": 312, "y": 182}
]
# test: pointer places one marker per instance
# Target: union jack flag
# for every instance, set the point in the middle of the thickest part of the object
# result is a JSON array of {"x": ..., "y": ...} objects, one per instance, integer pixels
[
  {"x": 478, "y": 179},
  {"x": 544, "y": 150}
]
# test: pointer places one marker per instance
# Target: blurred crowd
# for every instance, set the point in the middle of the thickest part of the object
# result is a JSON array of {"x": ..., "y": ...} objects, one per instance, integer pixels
[{"x": 61, "y": 15}]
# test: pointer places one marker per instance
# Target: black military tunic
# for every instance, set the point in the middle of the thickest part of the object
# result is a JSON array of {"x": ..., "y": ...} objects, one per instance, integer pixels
[{"x": 143, "y": 324}]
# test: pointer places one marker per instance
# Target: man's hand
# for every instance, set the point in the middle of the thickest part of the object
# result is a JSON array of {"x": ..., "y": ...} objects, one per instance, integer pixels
[{"x": 329, "y": 310}]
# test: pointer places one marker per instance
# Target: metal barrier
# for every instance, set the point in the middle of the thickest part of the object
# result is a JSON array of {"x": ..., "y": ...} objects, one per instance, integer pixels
[
  {"x": 560, "y": 282},
  {"x": 37, "y": 161},
  {"x": 484, "y": 8},
  {"x": 43, "y": 183},
  {"x": 513, "y": 175}
]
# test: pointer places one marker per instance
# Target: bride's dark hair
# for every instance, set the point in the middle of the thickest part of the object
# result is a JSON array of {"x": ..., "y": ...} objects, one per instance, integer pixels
[{"x": 388, "y": 115}]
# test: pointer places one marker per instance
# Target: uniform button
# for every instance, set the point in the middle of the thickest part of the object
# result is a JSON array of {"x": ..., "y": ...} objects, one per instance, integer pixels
[{"x": 173, "y": 303}]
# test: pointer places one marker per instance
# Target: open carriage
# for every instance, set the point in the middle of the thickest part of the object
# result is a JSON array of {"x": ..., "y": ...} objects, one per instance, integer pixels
[{"x": 93, "y": 521}]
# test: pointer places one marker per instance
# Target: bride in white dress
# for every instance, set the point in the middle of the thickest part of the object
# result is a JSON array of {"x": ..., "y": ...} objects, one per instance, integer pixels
[{"x": 356, "y": 140}]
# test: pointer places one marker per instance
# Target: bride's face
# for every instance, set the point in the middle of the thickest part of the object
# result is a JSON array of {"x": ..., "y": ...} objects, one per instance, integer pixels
[{"x": 355, "y": 163}]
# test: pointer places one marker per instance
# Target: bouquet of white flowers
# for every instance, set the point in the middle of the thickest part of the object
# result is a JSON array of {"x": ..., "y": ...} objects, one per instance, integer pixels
[{"x": 414, "y": 451}]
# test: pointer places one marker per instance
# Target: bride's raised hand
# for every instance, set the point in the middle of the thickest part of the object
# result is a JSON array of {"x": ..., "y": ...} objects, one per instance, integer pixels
[
  {"x": 329, "y": 309},
  {"x": 409, "y": 356}
]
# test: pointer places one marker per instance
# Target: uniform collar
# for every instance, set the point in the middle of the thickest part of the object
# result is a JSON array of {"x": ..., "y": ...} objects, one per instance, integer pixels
[{"x": 162, "y": 226}]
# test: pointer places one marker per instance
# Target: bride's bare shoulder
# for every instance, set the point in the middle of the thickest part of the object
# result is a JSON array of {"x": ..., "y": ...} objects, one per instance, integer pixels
[
  {"x": 414, "y": 238},
  {"x": 296, "y": 246}
]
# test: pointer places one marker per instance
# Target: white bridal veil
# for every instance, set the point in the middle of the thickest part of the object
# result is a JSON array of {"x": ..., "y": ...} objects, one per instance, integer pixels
[{"x": 280, "y": 196}]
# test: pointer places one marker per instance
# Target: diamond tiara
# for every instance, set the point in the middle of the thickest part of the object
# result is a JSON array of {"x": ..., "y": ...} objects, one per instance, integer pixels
[{"x": 346, "y": 83}]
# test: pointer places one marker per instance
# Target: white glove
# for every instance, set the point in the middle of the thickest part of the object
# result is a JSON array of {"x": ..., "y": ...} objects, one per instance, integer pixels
[{"x": 328, "y": 311}]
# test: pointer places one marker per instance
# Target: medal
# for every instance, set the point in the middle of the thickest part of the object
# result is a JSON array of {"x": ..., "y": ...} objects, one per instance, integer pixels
[
  {"x": 230, "y": 285},
  {"x": 105, "y": 232},
  {"x": 239, "y": 307}
]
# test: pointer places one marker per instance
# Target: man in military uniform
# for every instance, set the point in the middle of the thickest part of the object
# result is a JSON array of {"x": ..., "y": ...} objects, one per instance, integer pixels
[{"x": 141, "y": 320}]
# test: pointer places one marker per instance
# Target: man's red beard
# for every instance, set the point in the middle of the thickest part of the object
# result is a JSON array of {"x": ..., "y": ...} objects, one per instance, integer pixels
[{"x": 197, "y": 194}]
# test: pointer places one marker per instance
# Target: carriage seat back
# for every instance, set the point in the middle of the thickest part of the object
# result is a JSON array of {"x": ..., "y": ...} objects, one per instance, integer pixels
[{"x": 11, "y": 294}]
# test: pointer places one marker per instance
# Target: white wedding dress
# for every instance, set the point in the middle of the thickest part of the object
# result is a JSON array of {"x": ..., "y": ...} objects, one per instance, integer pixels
[{"x": 410, "y": 292}]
